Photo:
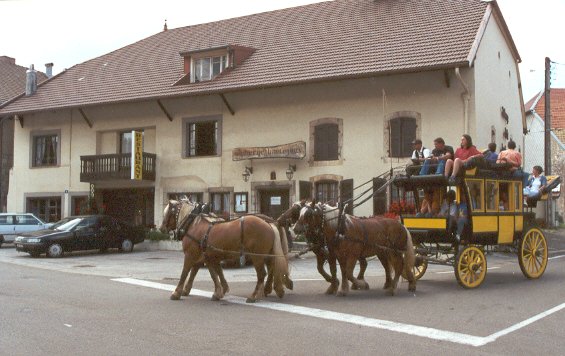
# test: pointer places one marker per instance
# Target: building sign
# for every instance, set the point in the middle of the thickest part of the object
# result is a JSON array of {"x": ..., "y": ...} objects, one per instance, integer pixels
[
  {"x": 136, "y": 155},
  {"x": 296, "y": 150},
  {"x": 275, "y": 200}
]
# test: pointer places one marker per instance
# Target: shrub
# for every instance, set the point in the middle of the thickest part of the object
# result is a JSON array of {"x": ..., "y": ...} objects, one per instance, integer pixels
[{"x": 156, "y": 235}]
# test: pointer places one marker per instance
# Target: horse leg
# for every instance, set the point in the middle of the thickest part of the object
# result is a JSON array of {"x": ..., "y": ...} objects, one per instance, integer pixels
[
  {"x": 386, "y": 262},
  {"x": 219, "y": 270},
  {"x": 344, "y": 286},
  {"x": 218, "y": 292},
  {"x": 257, "y": 294},
  {"x": 187, "y": 265},
  {"x": 398, "y": 266},
  {"x": 361, "y": 275},
  {"x": 350, "y": 266},
  {"x": 269, "y": 283},
  {"x": 188, "y": 285},
  {"x": 334, "y": 283}
]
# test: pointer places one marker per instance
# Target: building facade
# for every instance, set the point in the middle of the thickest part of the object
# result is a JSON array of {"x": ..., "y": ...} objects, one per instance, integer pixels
[{"x": 307, "y": 102}]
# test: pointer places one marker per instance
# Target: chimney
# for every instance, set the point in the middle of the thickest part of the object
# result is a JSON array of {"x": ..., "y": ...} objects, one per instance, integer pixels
[
  {"x": 49, "y": 69},
  {"x": 31, "y": 81},
  {"x": 7, "y": 59}
]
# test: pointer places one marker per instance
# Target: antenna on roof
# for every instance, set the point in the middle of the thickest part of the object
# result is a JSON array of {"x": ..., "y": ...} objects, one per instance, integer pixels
[{"x": 165, "y": 27}]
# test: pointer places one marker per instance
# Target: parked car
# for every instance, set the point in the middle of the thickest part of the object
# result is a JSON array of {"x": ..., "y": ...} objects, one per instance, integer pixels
[
  {"x": 13, "y": 224},
  {"x": 87, "y": 232}
]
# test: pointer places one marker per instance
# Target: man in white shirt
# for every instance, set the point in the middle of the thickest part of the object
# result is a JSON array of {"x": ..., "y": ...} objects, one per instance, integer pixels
[{"x": 420, "y": 153}]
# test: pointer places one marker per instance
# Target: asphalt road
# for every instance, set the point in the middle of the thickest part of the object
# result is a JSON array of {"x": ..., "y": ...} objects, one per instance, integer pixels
[{"x": 110, "y": 304}]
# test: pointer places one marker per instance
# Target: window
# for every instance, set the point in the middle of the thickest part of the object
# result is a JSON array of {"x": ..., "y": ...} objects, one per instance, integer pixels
[
  {"x": 208, "y": 68},
  {"x": 47, "y": 209},
  {"x": 491, "y": 195},
  {"x": 79, "y": 205},
  {"x": 402, "y": 133},
  {"x": 193, "y": 197},
  {"x": 476, "y": 194},
  {"x": 326, "y": 142},
  {"x": 240, "y": 202},
  {"x": 504, "y": 197},
  {"x": 220, "y": 204},
  {"x": 126, "y": 142},
  {"x": 517, "y": 196},
  {"x": 45, "y": 150},
  {"x": 202, "y": 137},
  {"x": 327, "y": 191}
]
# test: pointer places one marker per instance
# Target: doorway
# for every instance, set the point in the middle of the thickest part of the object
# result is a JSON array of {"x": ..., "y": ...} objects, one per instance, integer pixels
[{"x": 274, "y": 202}]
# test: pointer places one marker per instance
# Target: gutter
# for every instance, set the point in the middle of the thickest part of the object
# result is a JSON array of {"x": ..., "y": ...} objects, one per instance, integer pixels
[{"x": 466, "y": 97}]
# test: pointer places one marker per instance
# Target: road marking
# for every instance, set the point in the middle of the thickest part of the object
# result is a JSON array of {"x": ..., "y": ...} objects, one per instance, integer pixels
[
  {"x": 416, "y": 330},
  {"x": 554, "y": 257}
]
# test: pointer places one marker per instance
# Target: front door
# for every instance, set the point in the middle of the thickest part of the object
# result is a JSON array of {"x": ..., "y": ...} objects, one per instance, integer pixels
[{"x": 274, "y": 202}]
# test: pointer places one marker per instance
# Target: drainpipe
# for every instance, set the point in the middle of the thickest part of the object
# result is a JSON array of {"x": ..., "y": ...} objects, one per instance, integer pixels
[{"x": 466, "y": 97}]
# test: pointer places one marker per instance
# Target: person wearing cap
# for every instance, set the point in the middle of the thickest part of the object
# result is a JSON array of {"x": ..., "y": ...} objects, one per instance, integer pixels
[{"x": 420, "y": 152}]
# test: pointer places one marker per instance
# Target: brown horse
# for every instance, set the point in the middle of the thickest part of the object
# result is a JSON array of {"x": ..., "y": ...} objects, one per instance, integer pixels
[
  {"x": 363, "y": 238},
  {"x": 209, "y": 242},
  {"x": 176, "y": 214},
  {"x": 319, "y": 236}
]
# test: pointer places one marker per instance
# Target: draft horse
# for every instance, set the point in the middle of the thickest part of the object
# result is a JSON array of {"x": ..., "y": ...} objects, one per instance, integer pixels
[
  {"x": 207, "y": 242},
  {"x": 385, "y": 238}
]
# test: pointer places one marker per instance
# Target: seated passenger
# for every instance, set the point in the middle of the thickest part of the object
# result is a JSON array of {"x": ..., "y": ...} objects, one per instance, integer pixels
[
  {"x": 462, "y": 218},
  {"x": 464, "y": 157},
  {"x": 440, "y": 154},
  {"x": 503, "y": 204},
  {"x": 490, "y": 155},
  {"x": 510, "y": 156},
  {"x": 536, "y": 183},
  {"x": 419, "y": 155},
  {"x": 428, "y": 207}
]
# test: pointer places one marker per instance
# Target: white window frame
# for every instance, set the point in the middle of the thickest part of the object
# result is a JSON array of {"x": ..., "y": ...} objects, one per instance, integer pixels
[{"x": 196, "y": 69}]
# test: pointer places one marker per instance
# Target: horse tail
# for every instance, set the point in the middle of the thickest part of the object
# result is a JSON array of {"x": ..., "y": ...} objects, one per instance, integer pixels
[
  {"x": 409, "y": 255},
  {"x": 283, "y": 238},
  {"x": 280, "y": 263}
]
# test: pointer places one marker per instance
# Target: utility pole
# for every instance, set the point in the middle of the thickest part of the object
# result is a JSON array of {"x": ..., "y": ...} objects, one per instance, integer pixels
[{"x": 547, "y": 138}]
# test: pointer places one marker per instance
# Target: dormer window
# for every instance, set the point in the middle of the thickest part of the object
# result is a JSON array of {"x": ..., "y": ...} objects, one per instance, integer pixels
[
  {"x": 206, "y": 64},
  {"x": 208, "y": 68}
]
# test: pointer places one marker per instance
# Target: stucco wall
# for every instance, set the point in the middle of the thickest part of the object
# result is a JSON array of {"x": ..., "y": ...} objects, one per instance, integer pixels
[{"x": 496, "y": 86}]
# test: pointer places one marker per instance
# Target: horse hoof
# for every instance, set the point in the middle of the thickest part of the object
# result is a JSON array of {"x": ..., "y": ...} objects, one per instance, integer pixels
[
  {"x": 250, "y": 300},
  {"x": 412, "y": 288},
  {"x": 175, "y": 296},
  {"x": 354, "y": 286},
  {"x": 341, "y": 294},
  {"x": 215, "y": 298},
  {"x": 268, "y": 291},
  {"x": 289, "y": 283},
  {"x": 280, "y": 293},
  {"x": 184, "y": 293}
]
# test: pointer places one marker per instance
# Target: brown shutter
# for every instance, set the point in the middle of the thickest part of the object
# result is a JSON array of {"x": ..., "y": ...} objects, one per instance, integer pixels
[
  {"x": 326, "y": 142},
  {"x": 305, "y": 190},
  {"x": 395, "y": 138},
  {"x": 379, "y": 200},
  {"x": 346, "y": 189}
]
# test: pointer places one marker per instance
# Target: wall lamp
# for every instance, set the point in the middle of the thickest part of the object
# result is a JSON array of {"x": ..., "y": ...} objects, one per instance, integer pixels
[
  {"x": 247, "y": 173},
  {"x": 290, "y": 171}
]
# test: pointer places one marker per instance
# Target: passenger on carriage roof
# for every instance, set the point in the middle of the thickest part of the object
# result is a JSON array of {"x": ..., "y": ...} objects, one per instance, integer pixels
[
  {"x": 420, "y": 152},
  {"x": 466, "y": 156},
  {"x": 490, "y": 155},
  {"x": 440, "y": 154},
  {"x": 536, "y": 184},
  {"x": 511, "y": 156}
]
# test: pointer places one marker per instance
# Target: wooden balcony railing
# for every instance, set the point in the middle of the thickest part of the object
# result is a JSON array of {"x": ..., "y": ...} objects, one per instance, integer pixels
[{"x": 114, "y": 166}]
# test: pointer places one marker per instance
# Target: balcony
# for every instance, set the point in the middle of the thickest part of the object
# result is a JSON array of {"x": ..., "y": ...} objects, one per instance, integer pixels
[{"x": 114, "y": 167}]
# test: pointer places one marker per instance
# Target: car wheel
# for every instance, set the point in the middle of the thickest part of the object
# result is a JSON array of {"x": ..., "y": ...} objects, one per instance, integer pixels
[
  {"x": 55, "y": 251},
  {"x": 127, "y": 246}
]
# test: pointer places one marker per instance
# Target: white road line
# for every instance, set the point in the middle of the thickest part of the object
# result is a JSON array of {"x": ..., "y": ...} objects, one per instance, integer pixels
[
  {"x": 554, "y": 257},
  {"x": 422, "y": 331}
]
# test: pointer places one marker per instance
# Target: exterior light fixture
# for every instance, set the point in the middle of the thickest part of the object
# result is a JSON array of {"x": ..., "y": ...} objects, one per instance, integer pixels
[
  {"x": 247, "y": 173},
  {"x": 290, "y": 171}
]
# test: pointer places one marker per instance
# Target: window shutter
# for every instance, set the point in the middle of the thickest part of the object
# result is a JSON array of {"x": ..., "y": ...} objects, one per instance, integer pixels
[
  {"x": 408, "y": 134},
  {"x": 395, "y": 142},
  {"x": 305, "y": 190},
  {"x": 326, "y": 142},
  {"x": 346, "y": 188},
  {"x": 379, "y": 200}
]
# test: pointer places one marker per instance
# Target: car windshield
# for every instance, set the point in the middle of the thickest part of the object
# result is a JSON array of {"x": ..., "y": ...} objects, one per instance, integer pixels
[{"x": 66, "y": 224}]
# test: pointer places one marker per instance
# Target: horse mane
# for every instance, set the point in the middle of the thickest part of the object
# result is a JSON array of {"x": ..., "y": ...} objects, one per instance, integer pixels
[{"x": 331, "y": 214}]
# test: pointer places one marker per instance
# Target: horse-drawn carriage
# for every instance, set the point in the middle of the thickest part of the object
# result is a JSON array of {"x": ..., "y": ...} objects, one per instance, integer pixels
[{"x": 498, "y": 219}]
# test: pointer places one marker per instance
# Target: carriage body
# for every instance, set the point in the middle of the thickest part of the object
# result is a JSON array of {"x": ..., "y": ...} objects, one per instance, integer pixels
[{"x": 498, "y": 220}]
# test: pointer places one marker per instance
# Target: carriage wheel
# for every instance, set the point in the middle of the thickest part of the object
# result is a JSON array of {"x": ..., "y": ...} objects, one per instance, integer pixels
[
  {"x": 532, "y": 254},
  {"x": 421, "y": 263},
  {"x": 470, "y": 267}
]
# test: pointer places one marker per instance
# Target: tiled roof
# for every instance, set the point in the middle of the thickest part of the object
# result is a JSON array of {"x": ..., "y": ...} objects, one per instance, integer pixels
[
  {"x": 557, "y": 106},
  {"x": 13, "y": 78},
  {"x": 322, "y": 41}
]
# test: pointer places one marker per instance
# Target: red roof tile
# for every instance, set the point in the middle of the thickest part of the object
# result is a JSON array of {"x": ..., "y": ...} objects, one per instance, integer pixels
[
  {"x": 322, "y": 41},
  {"x": 557, "y": 106},
  {"x": 13, "y": 78}
]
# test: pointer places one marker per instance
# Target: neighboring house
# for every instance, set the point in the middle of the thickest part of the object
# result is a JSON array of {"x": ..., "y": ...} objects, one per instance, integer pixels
[
  {"x": 12, "y": 83},
  {"x": 535, "y": 146},
  {"x": 341, "y": 88}
]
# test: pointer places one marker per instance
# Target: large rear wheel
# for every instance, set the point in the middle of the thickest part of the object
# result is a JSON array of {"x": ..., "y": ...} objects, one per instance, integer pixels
[
  {"x": 532, "y": 254},
  {"x": 470, "y": 267}
]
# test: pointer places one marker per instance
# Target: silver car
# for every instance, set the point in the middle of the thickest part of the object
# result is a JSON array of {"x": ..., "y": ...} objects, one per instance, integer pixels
[{"x": 13, "y": 224}]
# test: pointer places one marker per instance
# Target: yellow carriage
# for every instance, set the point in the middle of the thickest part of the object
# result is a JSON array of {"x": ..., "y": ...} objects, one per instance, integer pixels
[{"x": 498, "y": 219}]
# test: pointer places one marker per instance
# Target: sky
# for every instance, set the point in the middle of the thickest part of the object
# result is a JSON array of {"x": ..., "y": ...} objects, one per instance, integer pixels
[{"x": 69, "y": 32}]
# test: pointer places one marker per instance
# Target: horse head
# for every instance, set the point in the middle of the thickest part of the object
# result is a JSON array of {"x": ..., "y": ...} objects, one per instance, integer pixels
[
  {"x": 174, "y": 212},
  {"x": 310, "y": 221}
]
